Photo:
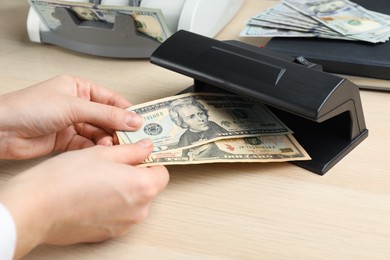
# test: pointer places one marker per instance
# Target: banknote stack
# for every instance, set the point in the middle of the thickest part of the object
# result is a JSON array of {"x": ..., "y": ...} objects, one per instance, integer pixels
[
  {"x": 332, "y": 19},
  {"x": 196, "y": 128},
  {"x": 148, "y": 21}
]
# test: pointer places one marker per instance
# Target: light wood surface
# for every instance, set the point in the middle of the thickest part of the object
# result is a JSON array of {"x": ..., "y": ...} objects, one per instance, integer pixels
[{"x": 222, "y": 211}]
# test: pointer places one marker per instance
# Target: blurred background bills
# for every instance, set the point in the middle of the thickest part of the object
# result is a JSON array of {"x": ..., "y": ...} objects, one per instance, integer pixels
[
  {"x": 195, "y": 128},
  {"x": 148, "y": 21},
  {"x": 332, "y": 19}
]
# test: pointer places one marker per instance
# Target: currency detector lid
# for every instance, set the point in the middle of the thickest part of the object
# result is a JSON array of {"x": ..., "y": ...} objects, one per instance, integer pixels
[{"x": 323, "y": 110}]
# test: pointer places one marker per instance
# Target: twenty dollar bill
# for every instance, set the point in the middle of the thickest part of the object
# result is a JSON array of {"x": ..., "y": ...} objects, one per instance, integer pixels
[{"x": 193, "y": 119}]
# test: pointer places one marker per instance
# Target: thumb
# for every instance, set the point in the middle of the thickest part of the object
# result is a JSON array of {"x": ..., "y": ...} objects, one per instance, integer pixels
[
  {"x": 128, "y": 153},
  {"x": 105, "y": 116}
]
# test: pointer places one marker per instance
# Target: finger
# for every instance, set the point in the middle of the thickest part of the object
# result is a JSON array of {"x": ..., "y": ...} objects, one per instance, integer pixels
[
  {"x": 96, "y": 93},
  {"x": 105, "y": 116},
  {"x": 79, "y": 142},
  {"x": 69, "y": 139},
  {"x": 106, "y": 141},
  {"x": 144, "y": 184},
  {"x": 128, "y": 153},
  {"x": 95, "y": 134},
  {"x": 159, "y": 175}
]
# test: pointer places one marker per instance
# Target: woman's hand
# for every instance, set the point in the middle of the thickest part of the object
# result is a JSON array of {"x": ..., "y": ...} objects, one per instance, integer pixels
[
  {"x": 83, "y": 196},
  {"x": 61, "y": 114}
]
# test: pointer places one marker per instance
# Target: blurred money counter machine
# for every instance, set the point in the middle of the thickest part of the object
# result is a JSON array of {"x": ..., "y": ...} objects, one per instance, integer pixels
[{"x": 323, "y": 110}]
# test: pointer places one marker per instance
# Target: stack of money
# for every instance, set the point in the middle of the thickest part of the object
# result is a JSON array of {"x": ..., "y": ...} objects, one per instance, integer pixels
[
  {"x": 332, "y": 19},
  {"x": 196, "y": 128},
  {"x": 148, "y": 21}
]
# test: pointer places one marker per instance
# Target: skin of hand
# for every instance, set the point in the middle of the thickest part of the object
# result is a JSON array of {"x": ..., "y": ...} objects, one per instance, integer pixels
[
  {"x": 61, "y": 114},
  {"x": 87, "y": 195}
]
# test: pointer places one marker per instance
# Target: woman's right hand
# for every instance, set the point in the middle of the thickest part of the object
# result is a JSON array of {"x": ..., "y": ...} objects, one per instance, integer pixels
[{"x": 85, "y": 195}]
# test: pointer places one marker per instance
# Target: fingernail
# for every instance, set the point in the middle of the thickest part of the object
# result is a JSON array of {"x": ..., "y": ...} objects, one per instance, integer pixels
[
  {"x": 147, "y": 142},
  {"x": 133, "y": 119}
]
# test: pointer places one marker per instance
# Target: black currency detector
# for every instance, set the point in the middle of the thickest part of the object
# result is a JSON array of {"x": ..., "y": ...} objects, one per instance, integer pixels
[{"x": 324, "y": 111}]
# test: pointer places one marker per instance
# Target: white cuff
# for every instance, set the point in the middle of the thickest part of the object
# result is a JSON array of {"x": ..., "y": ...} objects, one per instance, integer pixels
[{"x": 7, "y": 234}]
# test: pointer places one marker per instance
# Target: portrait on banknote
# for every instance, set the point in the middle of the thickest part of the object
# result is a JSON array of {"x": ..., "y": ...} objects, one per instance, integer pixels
[{"x": 191, "y": 115}]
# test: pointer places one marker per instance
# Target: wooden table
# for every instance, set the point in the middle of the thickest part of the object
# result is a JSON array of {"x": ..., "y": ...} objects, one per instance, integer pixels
[{"x": 222, "y": 211}]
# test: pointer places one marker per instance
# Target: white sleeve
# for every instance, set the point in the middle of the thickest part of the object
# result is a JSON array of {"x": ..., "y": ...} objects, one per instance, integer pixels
[{"x": 7, "y": 234}]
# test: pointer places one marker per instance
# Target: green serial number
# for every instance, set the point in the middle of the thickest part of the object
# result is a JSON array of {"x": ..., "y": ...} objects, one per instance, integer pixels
[{"x": 153, "y": 116}]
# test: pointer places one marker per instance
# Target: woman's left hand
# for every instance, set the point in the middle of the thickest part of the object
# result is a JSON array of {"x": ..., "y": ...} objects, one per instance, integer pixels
[{"x": 60, "y": 114}]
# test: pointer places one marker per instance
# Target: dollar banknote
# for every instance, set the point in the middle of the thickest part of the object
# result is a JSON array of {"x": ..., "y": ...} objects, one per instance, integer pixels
[
  {"x": 331, "y": 19},
  {"x": 260, "y": 31},
  {"x": 281, "y": 20},
  {"x": 282, "y": 25},
  {"x": 340, "y": 15},
  {"x": 283, "y": 14},
  {"x": 148, "y": 21},
  {"x": 273, "y": 148},
  {"x": 193, "y": 119}
]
